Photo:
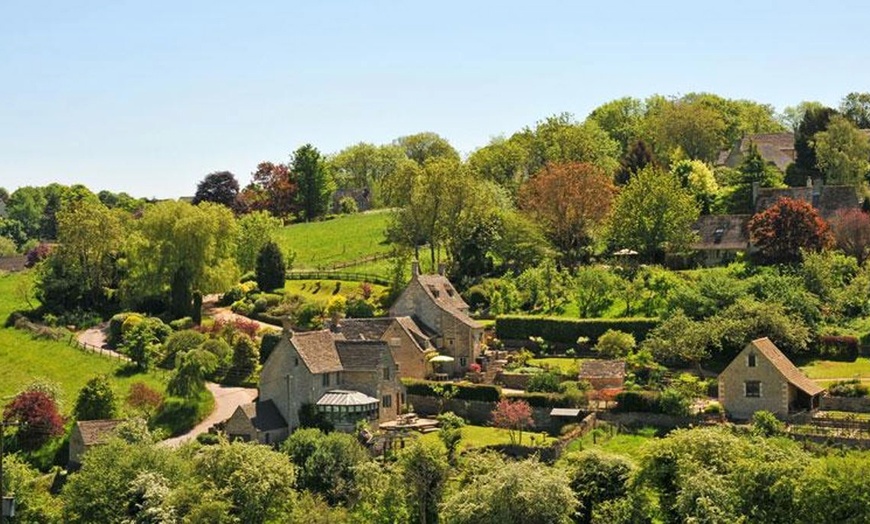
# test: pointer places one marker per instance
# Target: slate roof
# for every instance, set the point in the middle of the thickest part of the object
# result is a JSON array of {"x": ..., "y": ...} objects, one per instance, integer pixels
[
  {"x": 788, "y": 370},
  {"x": 365, "y": 328},
  {"x": 342, "y": 397},
  {"x": 317, "y": 350},
  {"x": 775, "y": 148},
  {"x": 721, "y": 232},
  {"x": 360, "y": 355},
  {"x": 830, "y": 198},
  {"x": 264, "y": 415},
  {"x": 602, "y": 369},
  {"x": 445, "y": 296},
  {"x": 96, "y": 431}
]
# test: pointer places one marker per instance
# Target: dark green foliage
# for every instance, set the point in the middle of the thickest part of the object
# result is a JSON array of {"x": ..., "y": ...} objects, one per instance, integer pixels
[
  {"x": 544, "y": 400},
  {"x": 268, "y": 343},
  {"x": 245, "y": 359},
  {"x": 567, "y": 331},
  {"x": 358, "y": 307},
  {"x": 310, "y": 417},
  {"x": 326, "y": 463},
  {"x": 181, "y": 296},
  {"x": 463, "y": 391},
  {"x": 805, "y": 163},
  {"x": 315, "y": 184},
  {"x": 636, "y": 159},
  {"x": 595, "y": 478},
  {"x": 220, "y": 187},
  {"x": 766, "y": 424},
  {"x": 196, "y": 312},
  {"x": 848, "y": 388},
  {"x": 96, "y": 400},
  {"x": 181, "y": 342},
  {"x": 271, "y": 269},
  {"x": 643, "y": 401}
]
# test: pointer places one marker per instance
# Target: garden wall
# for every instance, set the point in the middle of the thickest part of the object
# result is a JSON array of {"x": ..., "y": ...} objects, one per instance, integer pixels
[
  {"x": 480, "y": 413},
  {"x": 513, "y": 380},
  {"x": 856, "y": 405},
  {"x": 636, "y": 419}
]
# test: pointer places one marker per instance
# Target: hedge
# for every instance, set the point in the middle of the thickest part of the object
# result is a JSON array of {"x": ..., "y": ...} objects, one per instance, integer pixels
[
  {"x": 268, "y": 344},
  {"x": 643, "y": 401},
  {"x": 543, "y": 400},
  {"x": 464, "y": 390},
  {"x": 567, "y": 330}
]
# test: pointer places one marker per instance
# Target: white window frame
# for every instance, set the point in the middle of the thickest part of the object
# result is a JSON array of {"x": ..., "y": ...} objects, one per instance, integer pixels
[{"x": 760, "y": 389}]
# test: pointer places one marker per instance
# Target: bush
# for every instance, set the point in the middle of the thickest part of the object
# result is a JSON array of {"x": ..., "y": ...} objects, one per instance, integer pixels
[
  {"x": 115, "y": 324},
  {"x": 567, "y": 331},
  {"x": 848, "y": 388},
  {"x": 268, "y": 344},
  {"x": 615, "y": 344},
  {"x": 547, "y": 382},
  {"x": 672, "y": 402},
  {"x": 182, "y": 323},
  {"x": 543, "y": 400},
  {"x": 358, "y": 307},
  {"x": 838, "y": 347},
  {"x": 463, "y": 391},
  {"x": 713, "y": 408},
  {"x": 766, "y": 424},
  {"x": 347, "y": 205},
  {"x": 642, "y": 401},
  {"x": 242, "y": 307}
]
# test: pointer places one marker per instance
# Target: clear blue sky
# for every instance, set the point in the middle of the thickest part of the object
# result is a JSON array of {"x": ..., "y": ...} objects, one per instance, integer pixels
[{"x": 148, "y": 97}]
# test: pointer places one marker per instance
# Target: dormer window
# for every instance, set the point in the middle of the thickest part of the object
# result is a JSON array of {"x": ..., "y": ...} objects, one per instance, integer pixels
[
  {"x": 717, "y": 235},
  {"x": 750, "y": 360}
]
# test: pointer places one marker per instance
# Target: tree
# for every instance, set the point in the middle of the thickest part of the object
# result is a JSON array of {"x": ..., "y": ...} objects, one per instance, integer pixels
[
  {"x": 495, "y": 491},
  {"x": 688, "y": 126},
  {"x": 178, "y": 248},
  {"x": 363, "y": 166},
  {"x": 245, "y": 358},
  {"x": 594, "y": 287},
  {"x": 635, "y": 160},
  {"x": 271, "y": 270},
  {"x": 679, "y": 339},
  {"x": 143, "y": 398},
  {"x": 191, "y": 369},
  {"x": 559, "y": 139},
  {"x": 220, "y": 187},
  {"x": 698, "y": 178},
  {"x": 424, "y": 469},
  {"x": 615, "y": 344},
  {"x": 273, "y": 188},
  {"x": 421, "y": 147},
  {"x": 571, "y": 200},
  {"x": 37, "y": 417},
  {"x": 621, "y": 119},
  {"x": 815, "y": 119},
  {"x": 851, "y": 230},
  {"x": 789, "y": 226},
  {"x": 595, "y": 478},
  {"x": 514, "y": 416},
  {"x": 327, "y": 464},
  {"x": 653, "y": 215},
  {"x": 96, "y": 400},
  {"x": 502, "y": 161},
  {"x": 842, "y": 152},
  {"x": 256, "y": 229},
  {"x": 314, "y": 182},
  {"x": 856, "y": 107},
  {"x": 26, "y": 205}
]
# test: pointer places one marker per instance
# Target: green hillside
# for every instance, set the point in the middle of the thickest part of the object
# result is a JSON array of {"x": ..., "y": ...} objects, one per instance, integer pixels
[{"x": 341, "y": 240}]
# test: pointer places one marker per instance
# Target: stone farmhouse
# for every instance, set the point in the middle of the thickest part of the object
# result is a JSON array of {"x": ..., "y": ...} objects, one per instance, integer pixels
[
  {"x": 774, "y": 148},
  {"x": 313, "y": 374},
  {"x": 441, "y": 314},
  {"x": 761, "y": 377},
  {"x": 409, "y": 345}
]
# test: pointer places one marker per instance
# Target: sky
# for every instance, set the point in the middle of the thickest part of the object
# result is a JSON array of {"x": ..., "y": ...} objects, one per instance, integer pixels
[{"x": 149, "y": 97}]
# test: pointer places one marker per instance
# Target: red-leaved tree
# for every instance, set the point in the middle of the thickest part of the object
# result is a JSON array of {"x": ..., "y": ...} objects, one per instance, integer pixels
[
  {"x": 783, "y": 230},
  {"x": 851, "y": 229},
  {"x": 37, "y": 417},
  {"x": 144, "y": 399},
  {"x": 514, "y": 416}
]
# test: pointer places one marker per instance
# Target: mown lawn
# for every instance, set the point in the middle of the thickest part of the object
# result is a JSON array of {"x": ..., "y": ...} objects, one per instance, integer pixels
[
  {"x": 343, "y": 239},
  {"x": 631, "y": 445},
  {"x": 23, "y": 359},
  {"x": 482, "y": 436},
  {"x": 323, "y": 290},
  {"x": 834, "y": 369}
]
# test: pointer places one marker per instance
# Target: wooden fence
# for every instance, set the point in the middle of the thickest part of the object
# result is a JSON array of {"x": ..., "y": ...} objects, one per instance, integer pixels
[{"x": 337, "y": 275}]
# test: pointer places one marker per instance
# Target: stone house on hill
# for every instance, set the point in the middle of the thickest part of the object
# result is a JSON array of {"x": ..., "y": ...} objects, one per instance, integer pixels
[
  {"x": 720, "y": 238},
  {"x": 774, "y": 148},
  {"x": 436, "y": 307},
  {"x": 343, "y": 381},
  {"x": 85, "y": 435},
  {"x": 409, "y": 345},
  {"x": 761, "y": 377}
]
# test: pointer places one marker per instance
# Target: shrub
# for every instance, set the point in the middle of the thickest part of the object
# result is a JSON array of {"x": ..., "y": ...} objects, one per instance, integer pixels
[
  {"x": 242, "y": 307},
  {"x": 358, "y": 307},
  {"x": 462, "y": 390},
  {"x": 673, "y": 402},
  {"x": 643, "y": 401},
  {"x": 567, "y": 331},
  {"x": 474, "y": 367},
  {"x": 713, "y": 408},
  {"x": 615, "y": 344},
  {"x": 543, "y": 400},
  {"x": 180, "y": 342},
  {"x": 268, "y": 344},
  {"x": 848, "y": 388},
  {"x": 182, "y": 323},
  {"x": 766, "y": 424},
  {"x": 271, "y": 268},
  {"x": 347, "y": 205},
  {"x": 838, "y": 347},
  {"x": 546, "y": 382}
]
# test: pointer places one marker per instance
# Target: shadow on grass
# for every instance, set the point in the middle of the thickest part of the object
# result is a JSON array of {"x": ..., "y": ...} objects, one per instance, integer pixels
[{"x": 127, "y": 370}]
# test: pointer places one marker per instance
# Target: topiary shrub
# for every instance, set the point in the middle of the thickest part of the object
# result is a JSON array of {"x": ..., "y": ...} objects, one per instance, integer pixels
[{"x": 546, "y": 382}]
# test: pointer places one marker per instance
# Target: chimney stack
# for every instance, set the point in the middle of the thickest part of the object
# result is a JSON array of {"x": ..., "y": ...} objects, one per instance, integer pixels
[
  {"x": 442, "y": 268},
  {"x": 288, "y": 326},
  {"x": 415, "y": 267}
]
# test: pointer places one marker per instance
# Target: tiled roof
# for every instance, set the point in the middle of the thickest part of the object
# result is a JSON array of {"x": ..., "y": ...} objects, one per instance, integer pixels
[
  {"x": 414, "y": 330},
  {"x": 792, "y": 374},
  {"x": 721, "y": 232},
  {"x": 96, "y": 431},
  {"x": 602, "y": 369},
  {"x": 317, "y": 350},
  {"x": 445, "y": 296},
  {"x": 360, "y": 355},
  {"x": 830, "y": 198},
  {"x": 775, "y": 148},
  {"x": 364, "y": 328},
  {"x": 264, "y": 415},
  {"x": 341, "y": 397}
]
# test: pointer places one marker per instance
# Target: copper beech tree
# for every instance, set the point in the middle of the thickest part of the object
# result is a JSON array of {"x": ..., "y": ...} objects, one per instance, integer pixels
[
  {"x": 789, "y": 226},
  {"x": 571, "y": 200},
  {"x": 851, "y": 229}
]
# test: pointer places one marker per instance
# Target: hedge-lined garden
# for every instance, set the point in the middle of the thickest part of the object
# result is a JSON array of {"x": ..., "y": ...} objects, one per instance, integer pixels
[{"x": 568, "y": 331}]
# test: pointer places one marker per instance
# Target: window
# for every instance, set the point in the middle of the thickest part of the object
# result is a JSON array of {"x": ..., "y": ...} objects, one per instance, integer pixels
[
  {"x": 752, "y": 388},
  {"x": 296, "y": 362},
  {"x": 463, "y": 362},
  {"x": 326, "y": 380},
  {"x": 386, "y": 373},
  {"x": 387, "y": 401},
  {"x": 750, "y": 360}
]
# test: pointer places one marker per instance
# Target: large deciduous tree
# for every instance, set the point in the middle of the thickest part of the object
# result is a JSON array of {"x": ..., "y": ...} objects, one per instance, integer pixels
[
  {"x": 255, "y": 231},
  {"x": 653, "y": 215},
  {"x": 856, "y": 107},
  {"x": 314, "y": 182},
  {"x": 220, "y": 187},
  {"x": 851, "y": 230},
  {"x": 693, "y": 128},
  {"x": 363, "y": 166},
  {"x": 273, "y": 188},
  {"x": 571, "y": 201},
  {"x": 789, "y": 226},
  {"x": 179, "y": 248},
  {"x": 842, "y": 152},
  {"x": 421, "y": 147},
  {"x": 815, "y": 118}
]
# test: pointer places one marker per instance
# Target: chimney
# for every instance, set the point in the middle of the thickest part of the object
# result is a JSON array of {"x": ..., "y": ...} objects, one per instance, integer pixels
[
  {"x": 288, "y": 326},
  {"x": 442, "y": 268},
  {"x": 415, "y": 267}
]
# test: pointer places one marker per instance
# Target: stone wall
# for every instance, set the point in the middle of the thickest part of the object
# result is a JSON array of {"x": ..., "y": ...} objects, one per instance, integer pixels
[
  {"x": 480, "y": 413},
  {"x": 856, "y": 405},
  {"x": 513, "y": 380},
  {"x": 636, "y": 419}
]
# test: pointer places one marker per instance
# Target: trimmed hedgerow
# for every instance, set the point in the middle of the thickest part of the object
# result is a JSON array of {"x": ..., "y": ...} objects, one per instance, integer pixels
[
  {"x": 643, "y": 401},
  {"x": 463, "y": 390},
  {"x": 567, "y": 330}
]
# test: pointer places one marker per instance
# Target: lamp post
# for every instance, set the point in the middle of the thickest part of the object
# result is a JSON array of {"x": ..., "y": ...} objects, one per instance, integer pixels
[{"x": 7, "y": 506}]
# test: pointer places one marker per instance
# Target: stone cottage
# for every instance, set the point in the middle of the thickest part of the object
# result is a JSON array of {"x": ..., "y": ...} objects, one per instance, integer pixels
[
  {"x": 761, "y": 377},
  {"x": 258, "y": 421},
  {"x": 436, "y": 307},
  {"x": 85, "y": 435},
  {"x": 313, "y": 374}
]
